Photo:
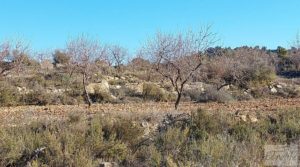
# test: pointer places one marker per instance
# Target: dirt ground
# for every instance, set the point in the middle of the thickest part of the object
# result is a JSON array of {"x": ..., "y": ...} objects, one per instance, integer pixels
[{"x": 13, "y": 116}]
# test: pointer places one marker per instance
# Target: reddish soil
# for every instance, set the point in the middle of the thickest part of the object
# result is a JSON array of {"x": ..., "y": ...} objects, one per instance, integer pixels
[{"x": 13, "y": 116}]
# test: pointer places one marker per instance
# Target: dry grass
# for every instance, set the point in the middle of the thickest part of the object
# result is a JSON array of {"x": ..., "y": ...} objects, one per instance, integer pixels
[{"x": 10, "y": 116}]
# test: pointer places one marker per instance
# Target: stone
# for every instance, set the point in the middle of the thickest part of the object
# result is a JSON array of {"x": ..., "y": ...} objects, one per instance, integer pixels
[
  {"x": 273, "y": 90},
  {"x": 108, "y": 164},
  {"x": 227, "y": 87},
  {"x": 252, "y": 118},
  {"x": 282, "y": 84},
  {"x": 279, "y": 86},
  {"x": 19, "y": 89},
  {"x": 103, "y": 86},
  {"x": 144, "y": 124},
  {"x": 195, "y": 86},
  {"x": 113, "y": 97},
  {"x": 243, "y": 118}
]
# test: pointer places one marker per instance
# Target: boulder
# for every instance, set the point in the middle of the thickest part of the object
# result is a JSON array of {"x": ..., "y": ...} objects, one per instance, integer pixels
[
  {"x": 102, "y": 86},
  {"x": 252, "y": 118},
  {"x": 195, "y": 86},
  {"x": 282, "y": 84},
  {"x": 243, "y": 118},
  {"x": 273, "y": 90},
  {"x": 227, "y": 87}
]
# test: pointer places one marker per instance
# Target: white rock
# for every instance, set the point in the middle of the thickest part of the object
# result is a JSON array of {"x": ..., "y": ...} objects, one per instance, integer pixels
[
  {"x": 103, "y": 86},
  {"x": 144, "y": 124},
  {"x": 243, "y": 118},
  {"x": 113, "y": 97},
  {"x": 273, "y": 90},
  {"x": 19, "y": 89},
  {"x": 252, "y": 118}
]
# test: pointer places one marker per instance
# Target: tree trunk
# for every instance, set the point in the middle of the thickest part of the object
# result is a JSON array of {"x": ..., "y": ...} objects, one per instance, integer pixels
[
  {"x": 88, "y": 99},
  {"x": 177, "y": 100}
]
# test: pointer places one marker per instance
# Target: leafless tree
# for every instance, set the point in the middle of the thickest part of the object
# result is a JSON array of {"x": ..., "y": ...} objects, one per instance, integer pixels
[
  {"x": 295, "y": 52},
  {"x": 243, "y": 66},
  {"x": 296, "y": 42},
  {"x": 178, "y": 56},
  {"x": 294, "y": 58},
  {"x": 83, "y": 52},
  {"x": 13, "y": 56},
  {"x": 117, "y": 55}
]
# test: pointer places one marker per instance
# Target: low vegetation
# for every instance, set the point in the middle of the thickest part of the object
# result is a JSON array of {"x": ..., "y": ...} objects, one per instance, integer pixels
[
  {"x": 168, "y": 68},
  {"x": 201, "y": 138}
]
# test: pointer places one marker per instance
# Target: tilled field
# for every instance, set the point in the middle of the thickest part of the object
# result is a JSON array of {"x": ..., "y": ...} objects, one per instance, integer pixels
[{"x": 14, "y": 116}]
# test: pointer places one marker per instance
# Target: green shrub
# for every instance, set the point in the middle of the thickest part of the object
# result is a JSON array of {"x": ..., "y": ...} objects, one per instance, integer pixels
[
  {"x": 263, "y": 75},
  {"x": 9, "y": 96},
  {"x": 154, "y": 92},
  {"x": 123, "y": 130},
  {"x": 204, "y": 124},
  {"x": 202, "y": 138},
  {"x": 242, "y": 132}
]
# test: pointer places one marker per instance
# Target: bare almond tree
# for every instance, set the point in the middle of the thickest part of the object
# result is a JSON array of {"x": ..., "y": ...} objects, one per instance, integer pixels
[
  {"x": 4, "y": 58},
  {"x": 117, "y": 55},
  {"x": 295, "y": 52},
  {"x": 83, "y": 52},
  {"x": 241, "y": 67},
  {"x": 178, "y": 56},
  {"x": 296, "y": 42},
  {"x": 12, "y": 57}
]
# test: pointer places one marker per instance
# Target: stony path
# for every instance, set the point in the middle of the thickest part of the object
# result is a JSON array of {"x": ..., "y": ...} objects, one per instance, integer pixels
[{"x": 25, "y": 114}]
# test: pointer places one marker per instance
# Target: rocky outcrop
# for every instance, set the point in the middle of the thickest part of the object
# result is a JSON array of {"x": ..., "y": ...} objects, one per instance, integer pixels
[
  {"x": 195, "y": 86},
  {"x": 273, "y": 89},
  {"x": 101, "y": 87}
]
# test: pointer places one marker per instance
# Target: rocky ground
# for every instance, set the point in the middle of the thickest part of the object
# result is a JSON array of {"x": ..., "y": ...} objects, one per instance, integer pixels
[{"x": 15, "y": 116}]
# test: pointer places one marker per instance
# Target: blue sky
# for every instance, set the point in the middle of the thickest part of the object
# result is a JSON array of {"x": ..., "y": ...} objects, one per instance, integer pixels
[{"x": 48, "y": 24}]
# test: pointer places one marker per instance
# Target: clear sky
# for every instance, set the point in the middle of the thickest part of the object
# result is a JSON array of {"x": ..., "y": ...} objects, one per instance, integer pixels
[{"x": 48, "y": 24}]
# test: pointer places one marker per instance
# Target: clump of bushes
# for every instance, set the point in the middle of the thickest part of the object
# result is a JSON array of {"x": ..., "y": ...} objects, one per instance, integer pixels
[
  {"x": 245, "y": 67},
  {"x": 101, "y": 96},
  {"x": 39, "y": 98},
  {"x": 154, "y": 92},
  {"x": 9, "y": 96},
  {"x": 60, "y": 57},
  {"x": 213, "y": 95},
  {"x": 202, "y": 138}
]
